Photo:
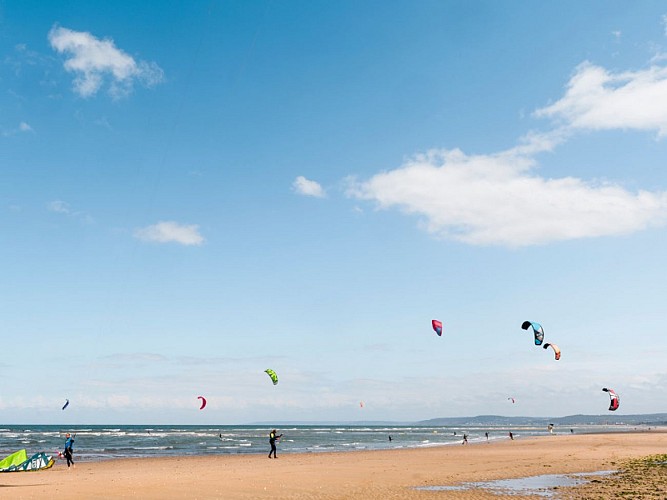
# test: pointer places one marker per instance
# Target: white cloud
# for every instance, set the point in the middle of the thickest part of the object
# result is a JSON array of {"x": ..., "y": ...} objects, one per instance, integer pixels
[
  {"x": 598, "y": 99},
  {"x": 93, "y": 60},
  {"x": 496, "y": 200},
  {"x": 62, "y": 207},
  {"x": 308, "y": 188},
  {"x": 22, "y": 128},
  {"x": 170, "y": 231}
]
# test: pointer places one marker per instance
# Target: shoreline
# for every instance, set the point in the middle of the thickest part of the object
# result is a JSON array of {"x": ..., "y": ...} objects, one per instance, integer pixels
[
  {"x": 108, "y": 442},
  {"x": 375, "y": 474}
]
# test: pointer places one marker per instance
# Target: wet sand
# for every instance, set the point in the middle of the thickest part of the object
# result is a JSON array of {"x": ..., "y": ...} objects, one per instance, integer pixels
[{"x": 393, "y": 474}]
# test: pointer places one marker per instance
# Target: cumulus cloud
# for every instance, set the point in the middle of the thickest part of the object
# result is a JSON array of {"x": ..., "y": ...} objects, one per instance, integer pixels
[
  {"x": 170, "y": 232},
  {"x": 94, "y": 61},
  {"x": 497, "y": 200},
  {"x": 598, "y": 99},
  {"x": 24, "y": 127},
  {"x": 308, "y": 188}
]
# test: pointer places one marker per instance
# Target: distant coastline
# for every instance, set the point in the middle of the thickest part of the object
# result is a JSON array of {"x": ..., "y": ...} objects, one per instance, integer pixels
[{"x": 500, "y": 420}]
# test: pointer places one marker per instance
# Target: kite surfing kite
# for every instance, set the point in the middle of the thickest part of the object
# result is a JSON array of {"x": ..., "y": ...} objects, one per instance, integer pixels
[
  {"x": 511, "y": 399},
  {"x": 19, "y": 462},
  {"x": 437, "y": 327},
  {"x": 203, "y": 402},
  {"x": 614, "y": 400},
  {"x": 66, "y": 404},
  {"x": 555, "y": 348},
  {"x": 361, "y": 404},
  {"x": 537, "y": 331},
  {"x": 273, "y": 375}
]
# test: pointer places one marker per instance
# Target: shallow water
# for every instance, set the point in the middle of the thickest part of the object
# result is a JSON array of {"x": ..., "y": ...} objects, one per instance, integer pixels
[
  {"x": 543, "y": 485},
  {"x": 100, "y": 442}
]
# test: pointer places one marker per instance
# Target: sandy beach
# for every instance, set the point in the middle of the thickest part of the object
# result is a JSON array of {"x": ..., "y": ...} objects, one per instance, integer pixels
[{"x": 350, "y": 475}]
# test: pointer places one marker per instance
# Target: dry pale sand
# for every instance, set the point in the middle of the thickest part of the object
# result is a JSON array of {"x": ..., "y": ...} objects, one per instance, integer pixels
[{"x": 353, "y": 475}]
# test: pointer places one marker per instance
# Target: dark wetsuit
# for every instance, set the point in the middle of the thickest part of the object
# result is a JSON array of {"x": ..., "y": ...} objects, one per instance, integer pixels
[
  {"x": 69, "y": 444},
  {"x": 272, "y": 442}
]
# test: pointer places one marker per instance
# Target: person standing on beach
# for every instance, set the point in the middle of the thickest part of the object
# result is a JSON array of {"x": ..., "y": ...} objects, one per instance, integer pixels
[
  {"x": 511, "y": 436},
  {"x": 69, "y": 445},
  {"x": 272, "y": 442},
  {"x": 465, "y": 439},
  {"x": 487, "y": 435}
]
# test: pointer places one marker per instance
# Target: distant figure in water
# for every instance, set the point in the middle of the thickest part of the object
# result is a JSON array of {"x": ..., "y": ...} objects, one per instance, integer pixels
[
  {"x": 390, "y": 439},
  {"x": 571, "y": 431},
  {"x": 487, "y": 435},
  {"x": 465, "y": 439},
  {"x": 455, "y": 433},
  {"x": 511, "y": 436}
]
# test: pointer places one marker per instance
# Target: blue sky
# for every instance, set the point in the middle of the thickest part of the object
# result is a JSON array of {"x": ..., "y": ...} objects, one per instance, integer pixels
[{"x": 192, "y": 194}]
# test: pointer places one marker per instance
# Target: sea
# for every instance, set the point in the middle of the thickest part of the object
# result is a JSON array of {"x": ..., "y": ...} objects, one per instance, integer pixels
[{"x": 105, "y": 442}]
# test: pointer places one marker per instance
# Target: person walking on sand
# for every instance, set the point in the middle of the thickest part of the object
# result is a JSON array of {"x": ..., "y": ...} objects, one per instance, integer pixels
[
  {"x": 465, "y": 439},
  {"x": 511, "y": 436},
  {"x": 69, "y": 445},
  {"x": 272, "y": 441}
]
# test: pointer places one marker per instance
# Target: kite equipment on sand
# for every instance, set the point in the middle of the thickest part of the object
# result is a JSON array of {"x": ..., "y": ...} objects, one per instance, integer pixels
[
  {"x": 437, "y": 326},
  {"x": 19, "y": 462},
  {"x": 273, "y": 375},
  {"x": 538, "y": 331},
  {"x": 203, "y": 402},
  {"x": 614, "y": 400}
]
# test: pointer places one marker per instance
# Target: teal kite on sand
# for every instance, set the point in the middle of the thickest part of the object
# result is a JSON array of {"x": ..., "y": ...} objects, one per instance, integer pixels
[{"x": 19, "y": 462}]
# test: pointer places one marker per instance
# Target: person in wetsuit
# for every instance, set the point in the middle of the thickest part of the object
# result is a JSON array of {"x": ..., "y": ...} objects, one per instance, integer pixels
[
  {"x": 69, "y": 444},
  {"x": 272, "y": 441}
]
